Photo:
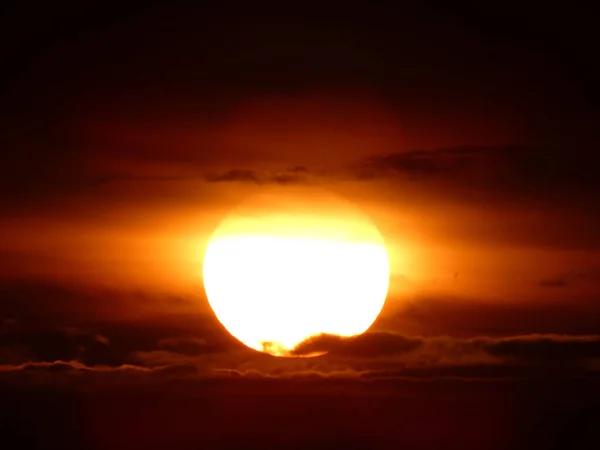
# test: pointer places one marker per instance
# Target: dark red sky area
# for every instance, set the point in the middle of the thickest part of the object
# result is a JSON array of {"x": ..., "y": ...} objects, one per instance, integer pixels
[
  {"x": 447, "y": 76},
  {"x": 468, "y": 133}
]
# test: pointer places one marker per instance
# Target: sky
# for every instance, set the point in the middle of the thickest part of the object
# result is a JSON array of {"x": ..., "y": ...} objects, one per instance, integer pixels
[{"x": 467, "y": 134}]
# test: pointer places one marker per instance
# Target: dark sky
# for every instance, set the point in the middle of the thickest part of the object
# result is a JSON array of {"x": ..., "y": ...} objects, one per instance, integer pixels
[
  {"x": 535, "y": 61},
  {"x": 466, "y": 74},
  {"x": 467, "y": 131}
]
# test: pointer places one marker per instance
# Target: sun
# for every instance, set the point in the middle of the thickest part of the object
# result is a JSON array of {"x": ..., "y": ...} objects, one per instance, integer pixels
[{"x": 292, "y": 263}]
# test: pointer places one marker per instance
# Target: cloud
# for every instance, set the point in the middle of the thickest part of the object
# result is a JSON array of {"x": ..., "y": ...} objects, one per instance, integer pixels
[
  {"x": 55, "y": 344},
  {"x": 191, "y": 345},
  {"x": 158, "y": 358},
  {"x": 241, "y": 175},
  {"x": 573, "y": 277},
  {"x": 101, "y": 339},
  {"x": 184, "y": 344},
  {"x": 67, "y": 366},
  {"x": 63, "y": 304},
  {"x": 199, "y": 341},
  {"x": 433, "y": 352},
  {"x": 418, "y": 165},
  {"x": 553, "y": 283},
  {"x": 376, "y": 356},
  {"x": 468, "y": 317},
  {"x": 499, "y": 171},
  {"x": 14, "y": 354},
  {"x": 546, "y": 348},
  {"x": 96, "y": 180},
  {"x": 39, "y": 318},
  {"x": 291, "y": 175},
  {"x": 366, "y": 345},
  {"x": 67, "y": 372}
]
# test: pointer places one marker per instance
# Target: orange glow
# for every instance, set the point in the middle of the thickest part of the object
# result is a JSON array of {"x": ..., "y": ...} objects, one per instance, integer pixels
[{"x": 278, "y": 275}]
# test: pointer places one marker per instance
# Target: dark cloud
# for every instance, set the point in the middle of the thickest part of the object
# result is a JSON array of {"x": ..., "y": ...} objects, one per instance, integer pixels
[
  {"x": 67, "y": 366},
  {"x": 379, "y": 356},
  {"x": 373, "y": 344},
  {"x": 191, "y": 345},
  {"x": 241, "y": 175},
  {"x": 57, "y": 344},
  {"x": 15, "y": 354},
  {"x": 500, "y": 171},
  {"x": 459, "y": 335},
  {"x": 299, "y": 169},
  {"x": 292, "y": 175},
  {"x": 64, "y": 303},
  {"x": 546, "y": 348},
  {"x": 100, "y": 179},
  {"x": 124, "y": 343},
  {"x": 47, "y": 322},
  {"x": 571, "y": 278},
  {"x": 69, "y": 373},
  {"x": 162, "y": 358},
  {"x": 464, "y": 317},
  {"x": 433, "y": 352},
  {"x": 553, "y": 283},
  {"x": 67, "y": 304},
  {"x": 418, "y": 165}
]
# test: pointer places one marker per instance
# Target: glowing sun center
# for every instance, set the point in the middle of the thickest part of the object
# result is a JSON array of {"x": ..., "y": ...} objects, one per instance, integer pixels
[{"x": 276, "y": 278}]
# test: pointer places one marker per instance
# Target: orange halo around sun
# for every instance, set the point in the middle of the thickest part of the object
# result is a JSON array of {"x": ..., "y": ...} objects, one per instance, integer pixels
[{"x": 292, "y": 263}]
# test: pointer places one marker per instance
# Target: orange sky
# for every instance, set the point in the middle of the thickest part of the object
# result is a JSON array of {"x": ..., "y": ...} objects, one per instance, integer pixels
[
  {"x": 469, "y": 177},
  {"x": 467, "y": 133},
  {"x": 142, "y": 203}
]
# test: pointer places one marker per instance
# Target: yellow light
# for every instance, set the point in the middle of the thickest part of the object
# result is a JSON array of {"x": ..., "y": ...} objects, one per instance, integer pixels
[{"x": 277, "y": 276}]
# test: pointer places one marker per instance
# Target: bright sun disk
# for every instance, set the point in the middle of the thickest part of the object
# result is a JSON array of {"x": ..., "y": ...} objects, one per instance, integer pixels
[{"x": 294, "y": 264}]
